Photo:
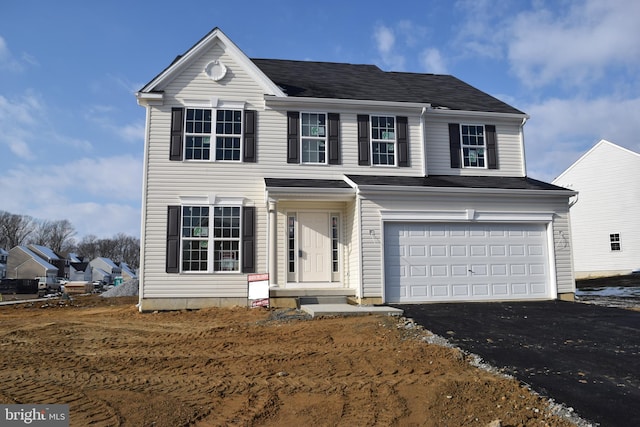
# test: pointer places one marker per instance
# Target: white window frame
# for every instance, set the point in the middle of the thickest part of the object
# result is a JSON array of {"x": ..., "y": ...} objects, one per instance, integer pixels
[
  {"x": 317, "y": 138},
  {"x": 213, "y": 134},
  {"x": 615, "y": 242},
  {"x": 393, "y": 141},
  {"x": 464, "y": 146},
  {"x": 211, "y": 239}
]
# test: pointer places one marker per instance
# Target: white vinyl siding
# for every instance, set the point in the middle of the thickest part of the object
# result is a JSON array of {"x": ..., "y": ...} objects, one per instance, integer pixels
[
  {"x": 608, "y": 202},
  {"x": 509, "y": 148},
  {"x": 372, "y": 229}
]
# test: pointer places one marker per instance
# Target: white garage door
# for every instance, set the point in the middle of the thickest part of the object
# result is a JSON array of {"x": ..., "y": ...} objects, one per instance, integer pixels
[{"x": 465, "y": 262}]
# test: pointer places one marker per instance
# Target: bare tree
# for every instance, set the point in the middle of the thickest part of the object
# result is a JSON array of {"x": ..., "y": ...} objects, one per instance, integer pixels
[
  {"x": 14, "y": 229},
  {"x": 56, "y": 235}
]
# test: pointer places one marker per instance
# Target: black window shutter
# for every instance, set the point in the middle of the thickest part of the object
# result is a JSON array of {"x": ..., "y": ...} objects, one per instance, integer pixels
[
  {"x": 492, "y": 155},
  {"x": 293, "y": 136},
  {"x": 334, "y": 138},
  {"x": 173, "y": 239},
  {"x": 454, "y": 145},
  {"x": 250, "y": 136},
  {"x": 363, "y": 140},
  {"x": 177, "y": 134},
  {"x": 248, "y": 239},
  {"x": 403, "y": 141}
]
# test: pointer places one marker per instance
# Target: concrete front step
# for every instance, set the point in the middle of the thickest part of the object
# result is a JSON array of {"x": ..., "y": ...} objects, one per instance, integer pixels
[
  {"x": 320, "y": 310},
  {"x": 322, "y": 299}
]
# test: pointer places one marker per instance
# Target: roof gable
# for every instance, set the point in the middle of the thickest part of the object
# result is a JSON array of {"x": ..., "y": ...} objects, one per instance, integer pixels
[
  {"x": 598, "y": 149},
  {"x": 153, "y": 89}
]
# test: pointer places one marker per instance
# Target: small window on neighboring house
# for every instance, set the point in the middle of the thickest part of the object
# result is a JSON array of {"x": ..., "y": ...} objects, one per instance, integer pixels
[
  {"x": 383, "y": 140},
  {"x": 614, "y": 240},
  {"x": 314, "y": 137},
  {"x": 473, "y": 145},
  {"x": 200, "y": 129}
]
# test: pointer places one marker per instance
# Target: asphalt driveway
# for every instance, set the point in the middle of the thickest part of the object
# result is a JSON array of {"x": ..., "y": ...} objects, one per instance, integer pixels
[{"x": 584, "y": 356}]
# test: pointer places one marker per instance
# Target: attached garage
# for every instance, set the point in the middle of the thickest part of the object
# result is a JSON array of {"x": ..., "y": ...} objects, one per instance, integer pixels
[{"x": 466, "y": 261}]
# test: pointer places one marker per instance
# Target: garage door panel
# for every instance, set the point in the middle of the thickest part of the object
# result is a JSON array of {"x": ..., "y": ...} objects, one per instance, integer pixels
[{"x": 465, "y": 261}]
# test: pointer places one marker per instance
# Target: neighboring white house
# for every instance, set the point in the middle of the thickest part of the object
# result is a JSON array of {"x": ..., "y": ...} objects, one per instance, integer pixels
[
  {"x": 23, "y": 263},
  {"x": 605, "y": 219},
  {"x": 105, "y": 270},
  {"x": 342, "y": 179}
]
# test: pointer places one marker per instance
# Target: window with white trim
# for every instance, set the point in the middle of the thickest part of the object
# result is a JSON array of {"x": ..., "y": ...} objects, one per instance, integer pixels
[
  {"x": 614, "y": 241},
  {"x": 211, "y": 245},
  {"x": 225, "y": 130},
  {"x": 383, "y": 140},
  {"x": 314, "y": 137},
  {"x": 472, "y": 139}
]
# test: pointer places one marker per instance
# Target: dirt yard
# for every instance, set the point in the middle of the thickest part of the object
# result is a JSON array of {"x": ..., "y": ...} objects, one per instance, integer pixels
[{"x": 247, "y": 367}]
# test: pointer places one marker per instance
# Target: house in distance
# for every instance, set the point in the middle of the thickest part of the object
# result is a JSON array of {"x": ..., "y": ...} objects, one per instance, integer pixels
[{"x": 339, "y": 179}]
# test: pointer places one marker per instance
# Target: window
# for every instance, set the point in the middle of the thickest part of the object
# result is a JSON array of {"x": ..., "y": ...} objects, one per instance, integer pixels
[
  {"x": 291, "y": 237},
  {"x": 195, "y": 238},
  {"x": 314, "y": 137},
  {"x": 614, "y": 240},
  {"x": 199, "y": 245},
  {"x": 383, "y": 140},
  {"x": 199, "y": 131},
  {"x": 335, "y": 239},
  {"x": 473, "y": 146}
]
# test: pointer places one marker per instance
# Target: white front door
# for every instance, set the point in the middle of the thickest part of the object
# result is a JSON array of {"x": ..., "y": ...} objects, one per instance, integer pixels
[{"x": 315, "y": 247}]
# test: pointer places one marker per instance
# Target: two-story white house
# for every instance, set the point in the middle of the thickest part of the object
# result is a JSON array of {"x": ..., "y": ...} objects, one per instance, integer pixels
[{"x": 339, "y": 179}]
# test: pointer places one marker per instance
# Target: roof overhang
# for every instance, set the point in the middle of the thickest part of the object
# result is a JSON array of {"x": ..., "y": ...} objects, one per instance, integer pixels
[
  {"x": 361, "y": 104},
  {"x": 308, "y": 189},
  {"x": 477, "y": 114}
]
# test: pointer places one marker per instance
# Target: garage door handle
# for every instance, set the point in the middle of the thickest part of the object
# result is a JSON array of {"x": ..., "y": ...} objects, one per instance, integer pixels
[{"x": 470, "y": 271}]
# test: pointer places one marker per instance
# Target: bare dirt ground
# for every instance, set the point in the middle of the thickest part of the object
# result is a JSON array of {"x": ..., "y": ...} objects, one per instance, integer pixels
[{"x": 252, "y": 367}]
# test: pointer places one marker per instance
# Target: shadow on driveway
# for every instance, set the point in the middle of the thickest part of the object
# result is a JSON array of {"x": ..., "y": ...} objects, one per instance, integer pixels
[{"x": 582, "y": 355}]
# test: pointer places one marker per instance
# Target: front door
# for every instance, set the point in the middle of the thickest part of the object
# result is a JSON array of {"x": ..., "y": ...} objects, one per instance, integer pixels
[{"x": 314, "y": 247}]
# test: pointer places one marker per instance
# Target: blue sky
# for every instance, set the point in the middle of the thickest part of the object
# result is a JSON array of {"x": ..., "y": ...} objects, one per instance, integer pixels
[{"x": 71, "y": 132}]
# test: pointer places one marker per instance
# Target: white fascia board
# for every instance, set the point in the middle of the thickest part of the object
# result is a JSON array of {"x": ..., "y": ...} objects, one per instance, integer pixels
[
  {"x": 360, "y": 104},
  {"x": 215, "y": 36},
  {"x": 307, "y": 193},
  {"x": 398, "y": 189},
  {"x": 477, "y": 114}
]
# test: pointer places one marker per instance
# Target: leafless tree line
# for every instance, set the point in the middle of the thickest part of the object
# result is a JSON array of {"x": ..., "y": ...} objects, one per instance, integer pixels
[{"x": 16, "y": 230}]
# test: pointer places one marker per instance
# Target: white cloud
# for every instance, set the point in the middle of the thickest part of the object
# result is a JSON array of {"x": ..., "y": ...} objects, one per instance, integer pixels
[
  {"x": 386, "y": 46},
  {"x": 433, "y": 62},
  {"x": 560, "y": 130},
  {"x": 99, "y": 196},
  {"x": 7, "y": 60},
  {"x": 575, "y": 46}
]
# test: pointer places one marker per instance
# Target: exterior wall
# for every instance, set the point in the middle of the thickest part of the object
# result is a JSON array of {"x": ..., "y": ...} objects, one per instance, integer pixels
[
  {"x": 608, "y": 202},
  {"x": 21, "y": 265},
  {"x": 372, "y": 228},
  {"x": 169, "y": 182},
  {"x": 509, "y": 146}
]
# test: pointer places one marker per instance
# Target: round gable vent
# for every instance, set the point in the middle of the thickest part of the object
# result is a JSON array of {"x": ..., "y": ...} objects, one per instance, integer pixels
[{"x": 216, "y": 70}]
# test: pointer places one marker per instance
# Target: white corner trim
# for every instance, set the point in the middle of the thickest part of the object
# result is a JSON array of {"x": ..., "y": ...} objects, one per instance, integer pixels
[{"x": 467, "y": 215}]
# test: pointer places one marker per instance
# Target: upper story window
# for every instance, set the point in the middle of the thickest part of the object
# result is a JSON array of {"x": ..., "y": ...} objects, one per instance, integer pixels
[
  {"x": 614, "y": 240},
  {"x": 473, "y": 145},
  {"x": 314, "y": 137},
  {"x": 383, "y": 140},
  {"x": 200, "y": 129}
]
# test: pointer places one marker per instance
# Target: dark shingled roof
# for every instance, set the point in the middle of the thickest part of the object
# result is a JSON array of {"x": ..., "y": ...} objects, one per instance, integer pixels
[
  {"x": 368, "y": 82},
  {"x": 446, "y": 181},
  {"x": 305, "y": 183}
]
